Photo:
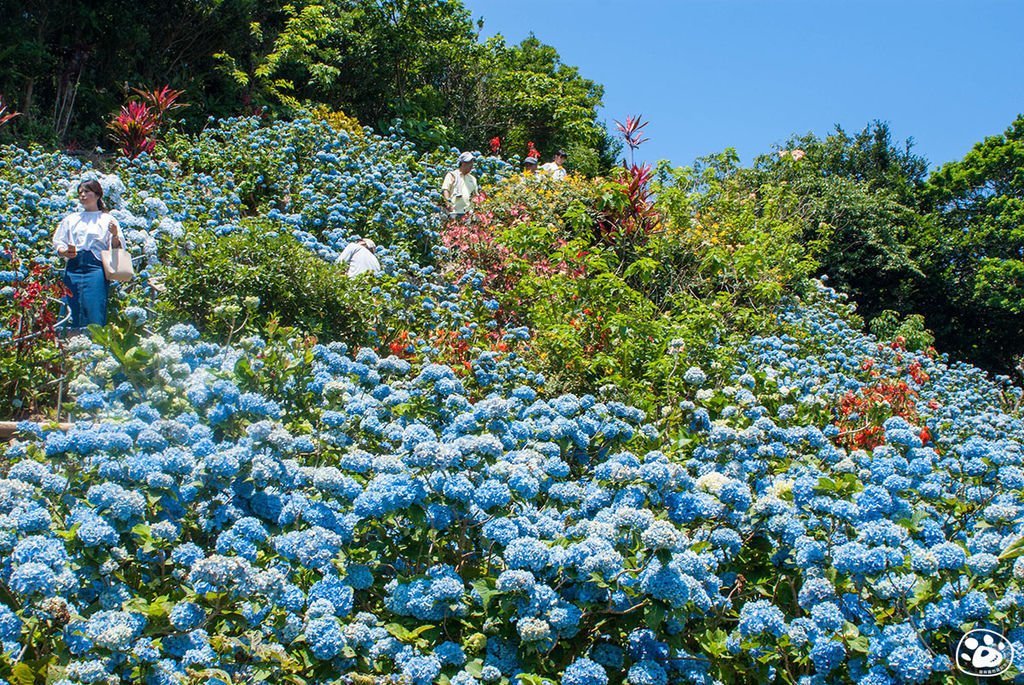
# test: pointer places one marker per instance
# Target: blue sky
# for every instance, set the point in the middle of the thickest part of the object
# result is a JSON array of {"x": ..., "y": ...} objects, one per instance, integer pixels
[{"x": 711, "y": 74}]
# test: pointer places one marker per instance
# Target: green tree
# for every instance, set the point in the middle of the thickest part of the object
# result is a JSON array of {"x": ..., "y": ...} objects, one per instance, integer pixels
[
  {"x": 68, "y": 65},
  {"x": 531, "y": 95},
  {"x": 975, "y": 249},
  {"x": 859, "y": 198},
  {"x": 296, "y": 62},
  {"x": 870, "y": 156},
  {"x": 413, "y": 60},
  {"x": 418, "y": 64}
]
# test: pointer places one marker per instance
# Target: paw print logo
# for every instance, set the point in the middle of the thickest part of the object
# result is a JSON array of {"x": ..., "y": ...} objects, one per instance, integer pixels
[{"x": 983, "y": 653}]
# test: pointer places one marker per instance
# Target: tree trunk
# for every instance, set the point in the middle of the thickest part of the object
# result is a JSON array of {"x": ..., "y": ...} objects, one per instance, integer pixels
[{"x": 26, "y": 102}]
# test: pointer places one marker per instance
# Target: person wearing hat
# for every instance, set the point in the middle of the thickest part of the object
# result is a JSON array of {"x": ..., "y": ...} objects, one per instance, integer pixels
[
  {"x": 360, "y": 256},
  {"x": 530, "y": 165},
  {"x": 459, "y": 187},
  {"x": 555, "y": 167}
]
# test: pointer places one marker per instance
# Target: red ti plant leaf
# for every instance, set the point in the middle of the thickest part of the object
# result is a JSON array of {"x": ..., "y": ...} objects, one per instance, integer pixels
[
  {"x": 132, "y": 128},
  {"x": 161, "y": 101},
  {"x": 629, "y": 221},
  {"x": 137, "y": 126},
  {"x": 6, "y": 116},
  {"x": 631, "y": 130}
]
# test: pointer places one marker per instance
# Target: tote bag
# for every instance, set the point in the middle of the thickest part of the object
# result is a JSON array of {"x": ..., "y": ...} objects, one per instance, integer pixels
[{"x": 117, "y": 265}]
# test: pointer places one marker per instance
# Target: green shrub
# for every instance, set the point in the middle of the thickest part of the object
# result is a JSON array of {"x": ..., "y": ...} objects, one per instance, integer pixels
[
  {"x": 711, "y": 273},
  {"x": 910, "y": 330},
  {"x": 720, "y": 241},
  {"x": 209, "y": 274}
]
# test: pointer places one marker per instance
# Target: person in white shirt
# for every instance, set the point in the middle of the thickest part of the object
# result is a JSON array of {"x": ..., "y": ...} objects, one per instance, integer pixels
[
  {"x": 555, "y": 167},
  {"x": 459, "y": 187},
  {"x": 79, "y": 239},
  {"x": 360, "y": 257}
]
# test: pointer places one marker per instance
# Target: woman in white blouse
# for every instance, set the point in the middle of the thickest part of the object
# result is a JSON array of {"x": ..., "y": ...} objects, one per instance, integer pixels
[{"x": 80, "y": 239}]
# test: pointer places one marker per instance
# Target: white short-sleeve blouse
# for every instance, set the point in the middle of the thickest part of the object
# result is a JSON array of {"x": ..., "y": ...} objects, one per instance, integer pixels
[{"x": 86, "y": 231}]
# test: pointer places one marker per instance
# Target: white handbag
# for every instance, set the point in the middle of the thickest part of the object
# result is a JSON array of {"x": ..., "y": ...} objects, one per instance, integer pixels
[{"x": 117, "y": 264}]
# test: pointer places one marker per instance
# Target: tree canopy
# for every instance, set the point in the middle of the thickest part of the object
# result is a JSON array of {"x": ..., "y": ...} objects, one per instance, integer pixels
[
  {"x": 975, "y": 247},
  {"x": 859, "y": 205},
  {"x": 417, "y": 65}
]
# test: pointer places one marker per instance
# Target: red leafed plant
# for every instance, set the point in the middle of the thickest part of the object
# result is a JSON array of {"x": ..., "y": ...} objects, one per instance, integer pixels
[
  {"x": 532, "y": 151},
  {"x": 136, "y": 127},
  {"x": 629, "y": 215},
  {"x": 132, "y": 129},
  {"x": 642, "y": 217},
  {"x": 495, "y": 145},
  {"x": 6, "y": 116},
  {"x": 161, "y": 101},
  {"x": 631, "y": 131}
]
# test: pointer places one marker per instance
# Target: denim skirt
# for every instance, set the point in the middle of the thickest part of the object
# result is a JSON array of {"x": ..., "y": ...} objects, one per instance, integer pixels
[{"x": 84, "y": 277}]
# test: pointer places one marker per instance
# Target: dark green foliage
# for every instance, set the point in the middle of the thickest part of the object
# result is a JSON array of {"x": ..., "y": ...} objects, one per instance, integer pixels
[
  {"x": 974, "y": 249},
  {"x": 858, "y": 199},
  {"x": 949, "y": 248},
  {"x": 871, "y": 157},
  {"x": 291, "y": 282},
  {"x": 418, "y": 65},
  {"x": 68, "y": 65},
  {"x": 531, "y": 95}
]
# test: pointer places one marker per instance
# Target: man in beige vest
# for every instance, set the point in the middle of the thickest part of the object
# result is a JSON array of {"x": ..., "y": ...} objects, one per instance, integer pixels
[{"x": 460, "y": 187}]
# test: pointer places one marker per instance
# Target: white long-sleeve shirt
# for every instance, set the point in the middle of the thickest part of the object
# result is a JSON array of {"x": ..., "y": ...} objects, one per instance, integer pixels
[
  {"x": 86, "y": 231},
  {"x": 359, "y": 259}
]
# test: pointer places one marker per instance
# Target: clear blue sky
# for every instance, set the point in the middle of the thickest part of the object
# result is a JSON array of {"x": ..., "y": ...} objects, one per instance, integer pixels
[{"x": 711, "y": 74}]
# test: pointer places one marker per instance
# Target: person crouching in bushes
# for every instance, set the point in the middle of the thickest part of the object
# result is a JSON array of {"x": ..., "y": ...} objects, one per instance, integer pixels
[
  {"x": 530, "y": 165},
  {"x": 361, "y": 257},
  {"x": 79, "y": 239}
]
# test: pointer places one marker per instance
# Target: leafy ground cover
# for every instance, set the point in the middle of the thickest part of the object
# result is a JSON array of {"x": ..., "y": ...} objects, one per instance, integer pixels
[{"x": 539, "y": 447}]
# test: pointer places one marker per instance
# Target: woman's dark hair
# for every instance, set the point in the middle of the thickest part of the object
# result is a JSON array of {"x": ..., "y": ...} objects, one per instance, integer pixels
[{"x": 95, "y": 187}]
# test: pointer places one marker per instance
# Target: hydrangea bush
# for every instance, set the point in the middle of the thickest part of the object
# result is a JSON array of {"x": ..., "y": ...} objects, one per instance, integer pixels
[{"x": 421, "y": 509}]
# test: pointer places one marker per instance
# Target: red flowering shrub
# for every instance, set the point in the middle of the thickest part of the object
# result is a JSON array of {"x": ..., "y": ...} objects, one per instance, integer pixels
[
  {"x": 524, "y": 226},
  {"x": 862, "y": 412},
  {"x": 33, "y": 316},
  {"x": 30, "y": 351},
  {"x": 454, "y": 348},
  {"x": 474, "y": 245}
]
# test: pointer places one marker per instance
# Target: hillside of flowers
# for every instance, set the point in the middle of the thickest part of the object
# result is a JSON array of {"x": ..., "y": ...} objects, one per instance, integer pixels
[{"x": 605, "y": 431}]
